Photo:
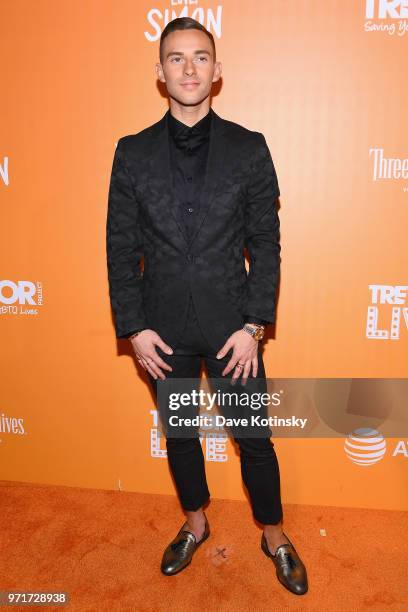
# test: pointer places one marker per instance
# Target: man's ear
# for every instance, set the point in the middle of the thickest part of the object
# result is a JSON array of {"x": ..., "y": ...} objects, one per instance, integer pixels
[
  {"x": 159, "y": 72},
  {"x": 217, "y": 72}
]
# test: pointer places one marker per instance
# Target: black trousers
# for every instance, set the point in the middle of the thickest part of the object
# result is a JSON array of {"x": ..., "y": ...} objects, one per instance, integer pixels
[{"x": 259, "y": 463}]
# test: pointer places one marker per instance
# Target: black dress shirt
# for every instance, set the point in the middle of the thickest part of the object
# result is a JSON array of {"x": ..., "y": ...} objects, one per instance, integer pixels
[{"x": 188, "y": 155}]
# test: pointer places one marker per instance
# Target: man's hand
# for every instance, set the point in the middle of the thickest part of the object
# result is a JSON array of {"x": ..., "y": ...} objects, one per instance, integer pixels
[
  {"x": 144, "y": 346},
  {"x": 245, "y": 352}
]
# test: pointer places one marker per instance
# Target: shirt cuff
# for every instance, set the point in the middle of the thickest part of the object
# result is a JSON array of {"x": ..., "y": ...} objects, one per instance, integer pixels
[
  {"x": 249, "y": 319},
  {"x": 131, "y": 333}
]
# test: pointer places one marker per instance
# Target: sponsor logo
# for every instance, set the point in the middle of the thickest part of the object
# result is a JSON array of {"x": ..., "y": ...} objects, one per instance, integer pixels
[
  {"x": 391, "y": 168},
  {"x": 389, "y": 16},
  {"x": 366, "y": 447},
  {"x": 11, "y": 425},
  {"x": 21, "y": 297},
  {"x": 215, "y": 444},
  {"x": 158, "y": 18},
  {"x": 392, "y": 299}
]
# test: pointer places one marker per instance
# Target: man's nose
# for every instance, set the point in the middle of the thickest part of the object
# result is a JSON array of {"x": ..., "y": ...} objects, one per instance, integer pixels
[{"x": 189, "y": 67}]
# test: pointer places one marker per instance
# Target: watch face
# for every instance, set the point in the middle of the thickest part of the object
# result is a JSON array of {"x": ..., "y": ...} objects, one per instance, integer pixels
[{"x": 257, "y": 333}]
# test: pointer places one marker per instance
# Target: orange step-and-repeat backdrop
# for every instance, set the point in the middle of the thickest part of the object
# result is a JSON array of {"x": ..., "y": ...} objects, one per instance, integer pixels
[{"x": 326, "y": 84}]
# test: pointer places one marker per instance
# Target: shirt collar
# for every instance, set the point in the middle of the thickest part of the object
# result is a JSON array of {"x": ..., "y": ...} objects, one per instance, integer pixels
[{"x": 186, "y": 136}]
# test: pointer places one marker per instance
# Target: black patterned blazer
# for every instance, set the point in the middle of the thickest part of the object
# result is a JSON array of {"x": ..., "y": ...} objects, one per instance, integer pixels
[{"x": 237, "y": 212}]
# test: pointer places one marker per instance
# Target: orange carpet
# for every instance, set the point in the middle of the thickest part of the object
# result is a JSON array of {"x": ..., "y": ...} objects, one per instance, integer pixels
[{"x": 104, "y": 548}]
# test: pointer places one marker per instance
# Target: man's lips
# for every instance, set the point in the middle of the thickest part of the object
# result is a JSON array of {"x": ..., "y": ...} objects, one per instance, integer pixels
[{"x": 190, "y": 84}]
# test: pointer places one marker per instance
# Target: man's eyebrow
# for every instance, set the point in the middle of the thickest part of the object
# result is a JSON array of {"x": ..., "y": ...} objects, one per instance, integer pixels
[{"x": 199, "y": 51}]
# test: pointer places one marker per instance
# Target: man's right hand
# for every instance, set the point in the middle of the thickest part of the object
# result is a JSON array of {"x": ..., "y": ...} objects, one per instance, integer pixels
[{"x": 144, "y": 346}]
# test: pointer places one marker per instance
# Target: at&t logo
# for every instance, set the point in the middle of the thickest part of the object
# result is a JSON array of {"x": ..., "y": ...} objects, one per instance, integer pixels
[{"x": 366, "y": 446}]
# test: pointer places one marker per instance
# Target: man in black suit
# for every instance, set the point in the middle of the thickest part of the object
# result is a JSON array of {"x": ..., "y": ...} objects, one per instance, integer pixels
[{"x": 189, "y": 194}]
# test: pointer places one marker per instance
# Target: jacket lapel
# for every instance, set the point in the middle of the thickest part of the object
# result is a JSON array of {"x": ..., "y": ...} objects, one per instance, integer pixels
[{"x": 160, "y": 168}]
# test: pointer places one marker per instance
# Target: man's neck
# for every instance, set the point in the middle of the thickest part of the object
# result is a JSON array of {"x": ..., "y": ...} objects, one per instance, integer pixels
[{"x": 189, "y": 115}]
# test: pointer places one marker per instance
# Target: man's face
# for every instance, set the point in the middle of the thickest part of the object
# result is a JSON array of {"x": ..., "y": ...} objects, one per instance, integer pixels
[{"x": 188, "y": 66}]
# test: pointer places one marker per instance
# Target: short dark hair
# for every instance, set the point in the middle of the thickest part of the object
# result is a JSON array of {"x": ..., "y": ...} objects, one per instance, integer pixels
[{"x": 184, "y": 23}]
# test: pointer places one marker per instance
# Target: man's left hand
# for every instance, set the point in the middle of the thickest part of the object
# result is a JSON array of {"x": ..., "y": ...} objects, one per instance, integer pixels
[{"x": 245, "y": 353}]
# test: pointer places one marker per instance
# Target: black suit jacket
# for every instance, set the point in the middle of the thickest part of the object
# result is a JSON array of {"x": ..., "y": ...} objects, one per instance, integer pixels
[{"x": 237, "y": 211}]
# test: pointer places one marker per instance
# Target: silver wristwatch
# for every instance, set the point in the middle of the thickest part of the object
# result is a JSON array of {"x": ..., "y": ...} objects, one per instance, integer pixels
[{"x": 255, "y": 330}]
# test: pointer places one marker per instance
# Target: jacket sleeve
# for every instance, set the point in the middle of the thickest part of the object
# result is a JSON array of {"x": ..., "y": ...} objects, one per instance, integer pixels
[
  {"x": 124, "y": 249},
  {"x": 262, "y": 235}
]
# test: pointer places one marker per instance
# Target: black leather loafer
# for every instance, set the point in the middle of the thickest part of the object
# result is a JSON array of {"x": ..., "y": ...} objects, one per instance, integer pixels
[
  {"x": 180, "y": 551},
  {"x": 290, "y": 570}
]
